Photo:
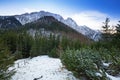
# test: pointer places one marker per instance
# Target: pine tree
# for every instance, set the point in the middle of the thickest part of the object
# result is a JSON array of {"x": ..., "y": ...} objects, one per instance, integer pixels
[
  {"x": 118, "y": 31},
  {"x": 117, "y": 36},
  {"x": 106, "y": 31}
]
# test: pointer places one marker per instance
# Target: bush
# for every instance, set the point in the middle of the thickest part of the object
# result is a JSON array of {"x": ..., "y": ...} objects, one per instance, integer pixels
[
  {"x": 114, "y": 67},
  {"x": 53, "y": 53},
  {"x": 110, "y": 53},
  {"x": 84, "y": 62}
]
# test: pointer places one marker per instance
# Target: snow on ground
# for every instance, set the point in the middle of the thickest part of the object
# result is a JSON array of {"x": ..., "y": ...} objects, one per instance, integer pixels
[
  {"x": 112, "y": 77},
  {"x": 106, "y": 64},
  {"x": 41, "y": 68}
]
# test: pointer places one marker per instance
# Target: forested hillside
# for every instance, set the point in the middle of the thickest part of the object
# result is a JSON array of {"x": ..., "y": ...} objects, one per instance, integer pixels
[{"x": 87, "y": 59}]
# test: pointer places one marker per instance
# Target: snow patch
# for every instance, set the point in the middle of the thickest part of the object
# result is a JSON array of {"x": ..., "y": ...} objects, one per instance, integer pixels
[
  {"x": 41, "y": 68},
  {"x": 98, "y": 74},
  {"x": 112, "y": 77},
  {"x": 106, "y": 64}
]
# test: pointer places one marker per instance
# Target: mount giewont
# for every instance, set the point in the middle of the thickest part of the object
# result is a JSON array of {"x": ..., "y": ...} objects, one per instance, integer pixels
[{"x": 23, "y": 19}]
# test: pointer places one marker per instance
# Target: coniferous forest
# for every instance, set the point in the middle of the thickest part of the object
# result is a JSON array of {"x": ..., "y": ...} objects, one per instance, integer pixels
[{"x": 84, "y": 59}]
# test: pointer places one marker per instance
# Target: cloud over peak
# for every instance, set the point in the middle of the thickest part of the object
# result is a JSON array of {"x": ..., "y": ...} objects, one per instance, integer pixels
[{"x": 92, "y": 19}]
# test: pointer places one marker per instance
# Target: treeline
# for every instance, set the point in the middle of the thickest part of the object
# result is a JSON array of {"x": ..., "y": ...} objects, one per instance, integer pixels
[{"x": 24, "y": 45}]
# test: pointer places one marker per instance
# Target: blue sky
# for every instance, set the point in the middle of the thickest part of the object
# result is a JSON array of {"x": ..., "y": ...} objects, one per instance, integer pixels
[{"x": 85, "y": 12}]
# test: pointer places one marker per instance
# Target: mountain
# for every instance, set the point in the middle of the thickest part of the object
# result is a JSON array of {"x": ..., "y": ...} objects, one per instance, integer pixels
[
  {"x": 50, "y": 25},
  {"x": 9, "y": 22},
  {"x": 27, "y": 18},
  {"x": 92, "y": 34}
]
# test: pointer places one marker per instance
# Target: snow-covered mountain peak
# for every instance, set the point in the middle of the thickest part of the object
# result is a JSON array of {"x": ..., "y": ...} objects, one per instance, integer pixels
[
  {"x": 70, "y": 22},
  {"x": 30, "y": 17}
]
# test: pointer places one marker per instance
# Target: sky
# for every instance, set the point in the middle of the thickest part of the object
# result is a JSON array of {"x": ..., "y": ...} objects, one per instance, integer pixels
[{"x": 91, "y": 13}]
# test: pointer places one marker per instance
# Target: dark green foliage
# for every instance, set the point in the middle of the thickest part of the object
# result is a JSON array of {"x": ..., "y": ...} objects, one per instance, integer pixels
[
  {"x": 106, "y": 31},
  {"x": 49, "y": 45},
  {"x": 72, "y": 44},
  {"x": 118, "y": 28},
  {"x": 84, "y": 62},
  {"x": 117, "y": 36},
  {"x": 114, "y": 68},
  {"x": 106, "y": 25},
  {"x": 24, "y": 44},
  {"x": 109, "y": 53},
  {"x": 6, "y": 59},
  {"x": 39, "y": 46},
  {"x": 9, "y": 39},
  {"x": 54, "y": 53},
  {"x": 110, "y": 36}
]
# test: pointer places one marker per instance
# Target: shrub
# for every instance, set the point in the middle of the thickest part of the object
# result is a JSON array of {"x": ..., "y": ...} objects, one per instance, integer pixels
[
  {"x": 84, "y": 62},
  {"x": 53, "y": 53},
  {"x": 114, "y": 67},
  {"x": 5, "y": 62}
]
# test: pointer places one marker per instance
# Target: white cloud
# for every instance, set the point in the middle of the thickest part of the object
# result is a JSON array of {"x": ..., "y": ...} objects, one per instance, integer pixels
[{"x": 92, "y": 19}]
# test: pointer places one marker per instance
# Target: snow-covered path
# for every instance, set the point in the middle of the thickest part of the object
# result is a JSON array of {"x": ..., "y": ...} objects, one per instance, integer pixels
[{"x": 42, "y": 68}]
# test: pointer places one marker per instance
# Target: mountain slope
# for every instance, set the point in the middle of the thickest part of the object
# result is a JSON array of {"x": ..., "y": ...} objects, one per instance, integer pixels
[
  {"x": 49, "y": 23},
  {"x": 9, "y": 22},
  {"x": 92, "y": 34}
]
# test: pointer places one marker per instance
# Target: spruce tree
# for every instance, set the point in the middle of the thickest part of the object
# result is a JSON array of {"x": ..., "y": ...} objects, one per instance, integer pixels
[
  {"x": 106, "y": 32},
  {"x": 118, "y": 31},
  {"x": 117, "y": 36}
]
